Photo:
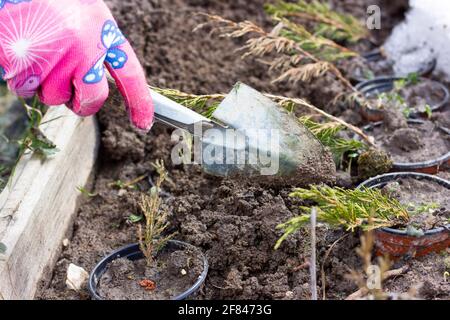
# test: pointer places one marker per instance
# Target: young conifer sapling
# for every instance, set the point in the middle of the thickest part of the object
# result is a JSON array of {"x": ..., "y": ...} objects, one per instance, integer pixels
[{"x": 151, "y": 239}]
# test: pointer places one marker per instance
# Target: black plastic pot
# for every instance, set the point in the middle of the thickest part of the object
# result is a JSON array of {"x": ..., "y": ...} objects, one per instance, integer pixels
[
  {"x": 377, "y": 55},
  {"x": 397, "y": 243},
  {"x": 133, "y": 252},
  {"x": 431, "y": 166},
  {"x": 374, "y": 87}
]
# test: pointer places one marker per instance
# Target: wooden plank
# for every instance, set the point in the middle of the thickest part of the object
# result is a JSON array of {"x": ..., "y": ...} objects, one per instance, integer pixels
[{"x": 39, "y": 205}]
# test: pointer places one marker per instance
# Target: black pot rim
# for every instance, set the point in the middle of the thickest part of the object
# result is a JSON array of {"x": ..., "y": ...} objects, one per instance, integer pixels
[
  {"x": 377, "y": 54},
  {"x": 133, "y": 250},
  {"x": 416, "y": 165},
  {"x": 388, "y": 177},
  {"x": 382, "y": 82}
]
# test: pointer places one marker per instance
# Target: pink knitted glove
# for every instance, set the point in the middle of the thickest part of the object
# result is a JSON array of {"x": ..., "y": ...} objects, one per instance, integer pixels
[{"x": 58, "y": 49}]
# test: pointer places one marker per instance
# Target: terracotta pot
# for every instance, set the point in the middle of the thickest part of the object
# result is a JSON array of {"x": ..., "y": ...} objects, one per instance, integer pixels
[{"x": 397, "y": 243}]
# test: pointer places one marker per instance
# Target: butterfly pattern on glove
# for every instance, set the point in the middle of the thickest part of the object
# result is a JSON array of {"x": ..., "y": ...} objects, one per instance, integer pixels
[
  {"x": 112, "y": 38},
  {"x": 3, "y": 2}
]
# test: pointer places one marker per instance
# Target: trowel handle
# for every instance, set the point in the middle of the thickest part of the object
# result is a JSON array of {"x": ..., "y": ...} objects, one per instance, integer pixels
[{"x": 174, "y": 114}]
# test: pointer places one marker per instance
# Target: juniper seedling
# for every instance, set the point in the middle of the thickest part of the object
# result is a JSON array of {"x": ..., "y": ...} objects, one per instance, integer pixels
[
  {"x": 296, "y": 54},
  {"x": 151, "y": 240},
  {"x": 328, "y": 134},
  {"x": 350, "y": 209},
  {"x": 326, "y": 21},
  {"x": 208, "y": 104}
]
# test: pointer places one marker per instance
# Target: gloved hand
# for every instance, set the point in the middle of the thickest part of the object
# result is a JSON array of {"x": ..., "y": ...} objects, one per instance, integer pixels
[{"x": 59, "y": 50}]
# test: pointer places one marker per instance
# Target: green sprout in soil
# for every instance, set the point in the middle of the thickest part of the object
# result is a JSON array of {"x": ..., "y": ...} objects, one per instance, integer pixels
[
  {"x": 396, "y": 99},
  {"x": 130, "y": 185},
  {"x": 34, "y": 140},
  {"x": 133, "y": 218},
  {"x": 151, "y": 240},
  {"x": 411, "y": 79},
  {"x": 327, "y": 22},
  {"x": 350, "y": 209},
  {"x": 428, "y": 111},
  {"x": 328, "y": 134},
  {"x": 86, "y": 192}
]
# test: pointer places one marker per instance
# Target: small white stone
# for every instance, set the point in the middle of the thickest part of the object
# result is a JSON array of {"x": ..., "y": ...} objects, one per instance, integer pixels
[
  {"x": 66, "y": 242},
  {"x": 122, "y": 192},
  {"x": 76, "y": 277},
  {"x": 289, "y": 294},
  {"x": 183, "y": 272}
]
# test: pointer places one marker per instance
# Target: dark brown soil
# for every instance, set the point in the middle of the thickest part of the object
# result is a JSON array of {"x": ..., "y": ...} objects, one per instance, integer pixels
[
  {"x": 425, "y": 278},
  {"x": 415, "y": 143},
  {"x": 234, "y": 223},
  {"x": 172, "y": 273},
  {"x": 428, "y": 202}
]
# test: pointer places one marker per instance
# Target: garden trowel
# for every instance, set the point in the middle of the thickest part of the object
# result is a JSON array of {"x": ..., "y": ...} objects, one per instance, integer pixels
[{"x": 250, "y": 136}]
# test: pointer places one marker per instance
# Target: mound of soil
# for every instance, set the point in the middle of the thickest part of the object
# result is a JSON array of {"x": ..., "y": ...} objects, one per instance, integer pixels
[
  {"x": 234, "y": 223},
  {"x": 415, "y": 143},
  {"x": 172, "y": 273}
]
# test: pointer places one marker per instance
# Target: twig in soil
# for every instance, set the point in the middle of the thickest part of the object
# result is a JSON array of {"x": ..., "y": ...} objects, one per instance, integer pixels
[
  {"x": 370, "y": 281},
  {"x": 312, "y": 267},
  {"x": 304, "y": 265},
  {"x": 127, "y": 185},
  {"x": 325, "y": 259},
  {"x": 362, "y": 292}
]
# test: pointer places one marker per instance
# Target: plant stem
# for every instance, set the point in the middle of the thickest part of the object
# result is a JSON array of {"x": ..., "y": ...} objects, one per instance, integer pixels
[{"x": 302, "y": 102}]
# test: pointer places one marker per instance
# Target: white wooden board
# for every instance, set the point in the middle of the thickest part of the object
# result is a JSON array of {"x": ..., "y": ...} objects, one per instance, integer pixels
[{"x": 39, "y": 205}]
